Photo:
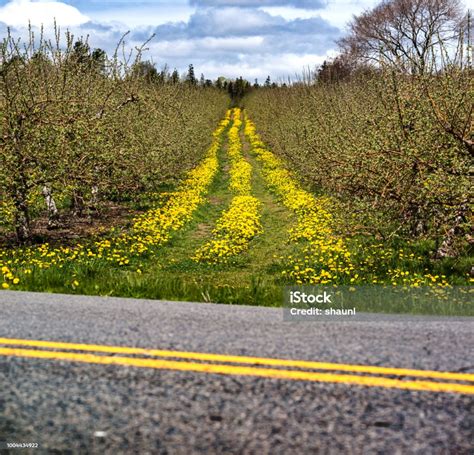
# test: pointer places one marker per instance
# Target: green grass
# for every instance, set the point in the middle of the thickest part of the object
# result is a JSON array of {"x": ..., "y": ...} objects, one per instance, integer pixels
[
  {"x": 253, "y": 278},
  {"x": 261, "y": 290}
]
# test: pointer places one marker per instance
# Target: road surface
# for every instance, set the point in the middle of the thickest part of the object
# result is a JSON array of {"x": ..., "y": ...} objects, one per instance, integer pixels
[{"x": 90, "y": 374}]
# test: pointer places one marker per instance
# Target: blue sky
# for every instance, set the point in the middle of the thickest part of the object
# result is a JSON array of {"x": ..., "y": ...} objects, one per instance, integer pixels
[{"x": 220, "y": 37}]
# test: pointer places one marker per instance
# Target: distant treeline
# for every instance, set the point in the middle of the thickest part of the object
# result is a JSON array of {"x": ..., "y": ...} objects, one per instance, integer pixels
[{"x": 236, "y": 88}]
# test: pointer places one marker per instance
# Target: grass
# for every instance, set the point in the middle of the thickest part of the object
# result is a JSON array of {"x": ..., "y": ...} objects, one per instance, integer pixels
[
  {"x": 254, "y": 277},
  {"x": 261, "y": 290}
]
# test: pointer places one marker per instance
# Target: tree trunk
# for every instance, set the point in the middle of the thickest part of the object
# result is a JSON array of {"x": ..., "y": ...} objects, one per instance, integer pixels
[
  {"x": 53, "y": 214},
  {"x": 93, "y": 206},
  {"x": 22, "y": 218},
  {"x": 447, "y": 247},
  {"x": 95, "y": 196},
  {"x": 77, "y": 203}
]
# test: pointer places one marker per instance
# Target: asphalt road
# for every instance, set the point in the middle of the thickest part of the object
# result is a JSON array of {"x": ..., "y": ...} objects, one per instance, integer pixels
[{"x": 76, "y": 405}]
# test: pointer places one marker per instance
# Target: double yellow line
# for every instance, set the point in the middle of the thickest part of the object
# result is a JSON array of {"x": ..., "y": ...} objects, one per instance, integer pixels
[{"x": 361, "y": 375}]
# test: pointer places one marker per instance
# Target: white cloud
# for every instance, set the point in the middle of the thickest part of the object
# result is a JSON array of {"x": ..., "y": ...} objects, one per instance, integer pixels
[
  {"x": 305, "y": 4},
  {"x": 205, "y": 47},
  {"x": 19, "y": 12},
  {"x": 133, "y": 16},
  {"x": 340, "y": 12},
  {"x": 289, "y": 13},
  {"x": 279, "y": 67}
]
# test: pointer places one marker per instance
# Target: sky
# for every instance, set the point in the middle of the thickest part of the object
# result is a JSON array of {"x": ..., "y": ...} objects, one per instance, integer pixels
[{"x": 230, "y": 38}]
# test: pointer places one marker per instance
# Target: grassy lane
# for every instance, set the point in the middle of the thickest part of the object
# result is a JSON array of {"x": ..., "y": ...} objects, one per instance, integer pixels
[
  {"x": 251, "y": 278},
  {"x": 169, "y": 272},
  {"x": 240, "y": 222}
]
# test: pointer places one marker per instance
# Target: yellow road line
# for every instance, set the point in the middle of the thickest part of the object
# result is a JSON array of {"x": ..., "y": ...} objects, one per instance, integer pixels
[
  {"x": 242, "y": 359},
  {"x": 242, "y": 370}
]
